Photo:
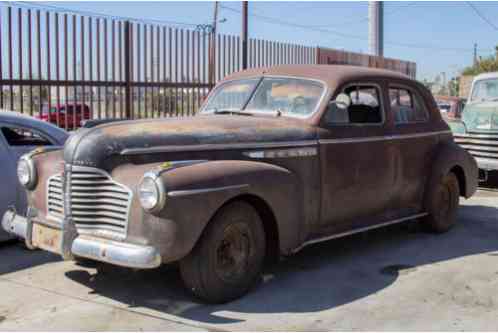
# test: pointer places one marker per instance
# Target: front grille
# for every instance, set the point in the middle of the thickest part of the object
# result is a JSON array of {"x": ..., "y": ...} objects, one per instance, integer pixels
[
  {"x": 55, "y": 206},
  {"x": 97, "y": 204},
  {"x": 479, "y": 145}
]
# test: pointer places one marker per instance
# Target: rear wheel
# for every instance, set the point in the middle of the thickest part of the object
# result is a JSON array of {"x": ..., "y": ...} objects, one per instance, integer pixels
[
  {"x": 227, "y": 260},
  {"x": 442, "y": 204}
]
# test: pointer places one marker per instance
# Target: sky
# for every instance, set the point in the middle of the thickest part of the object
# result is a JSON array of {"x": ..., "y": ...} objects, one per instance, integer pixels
[{"x": 438, "y": 36}]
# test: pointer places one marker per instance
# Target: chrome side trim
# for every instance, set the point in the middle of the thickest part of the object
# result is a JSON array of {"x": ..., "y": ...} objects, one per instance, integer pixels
[
  {"x": 283, "y": 153},
  {"x": 383, "y": 138},
  {"x": 217, "y": 146},
  {"x": 355, "y": 231},
  {"x": 182, "y": 193}
]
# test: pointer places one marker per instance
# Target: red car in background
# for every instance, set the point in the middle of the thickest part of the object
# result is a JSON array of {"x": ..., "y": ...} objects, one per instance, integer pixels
[
  {"x": 67, "y": 116},
  {"x": 451, "y": 107}
]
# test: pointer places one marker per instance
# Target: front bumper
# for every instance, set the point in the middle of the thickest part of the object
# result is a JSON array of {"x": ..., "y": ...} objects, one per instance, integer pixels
[
  {"x": 114, "y": 252},
  {"x": 487, "y": 164}
]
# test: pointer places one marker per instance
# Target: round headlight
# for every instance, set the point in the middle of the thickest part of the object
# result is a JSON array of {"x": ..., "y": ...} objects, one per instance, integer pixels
[
  {"x": 26, "y": 172},
  {"x": 150, "y": 192}
]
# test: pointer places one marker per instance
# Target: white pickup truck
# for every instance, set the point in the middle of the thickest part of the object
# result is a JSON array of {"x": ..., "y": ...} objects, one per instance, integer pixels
[{"x": 477, "y": 130}]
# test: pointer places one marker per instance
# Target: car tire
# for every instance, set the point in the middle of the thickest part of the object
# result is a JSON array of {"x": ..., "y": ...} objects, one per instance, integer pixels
[
  {"x": 228, "y": 258},
  {"x": 442, "y": 204}
]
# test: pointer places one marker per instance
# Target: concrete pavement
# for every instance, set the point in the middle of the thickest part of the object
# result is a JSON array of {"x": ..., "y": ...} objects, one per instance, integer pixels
[{"x": 396, "y": 278}]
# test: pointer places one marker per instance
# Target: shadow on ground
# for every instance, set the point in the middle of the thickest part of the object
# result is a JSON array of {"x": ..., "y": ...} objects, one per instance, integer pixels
[
  {"x": 320, "y": 277},
  {"x": 19, "y": 257}
]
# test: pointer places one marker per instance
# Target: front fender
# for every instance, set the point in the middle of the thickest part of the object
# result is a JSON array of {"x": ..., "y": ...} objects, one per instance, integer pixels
[
  {"x": 448, "y": 156},
  {"x": 196, "y": 192}
]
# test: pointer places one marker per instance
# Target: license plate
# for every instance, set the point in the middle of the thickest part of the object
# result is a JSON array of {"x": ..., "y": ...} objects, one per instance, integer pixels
[{"x": 47, "y": 238}]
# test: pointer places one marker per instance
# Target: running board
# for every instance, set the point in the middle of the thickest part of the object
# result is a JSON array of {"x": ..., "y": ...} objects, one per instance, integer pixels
[{"x": 356, "y": 231}]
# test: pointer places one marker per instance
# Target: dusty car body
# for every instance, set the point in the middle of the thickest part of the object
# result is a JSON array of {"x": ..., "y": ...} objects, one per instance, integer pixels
[
  {"x": 18, "y": 135},
  {"x": 477, "y": 130},
  {"x": 278, "y": 158}
]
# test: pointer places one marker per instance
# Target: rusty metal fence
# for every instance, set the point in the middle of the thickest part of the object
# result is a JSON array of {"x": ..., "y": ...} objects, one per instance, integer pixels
[{"x": 66, "y": 67}]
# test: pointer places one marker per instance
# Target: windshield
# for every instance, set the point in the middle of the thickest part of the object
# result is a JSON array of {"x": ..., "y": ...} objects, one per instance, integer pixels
[
  {"x": 288, "y": 96},
  {"x": 485, "y": 90}
]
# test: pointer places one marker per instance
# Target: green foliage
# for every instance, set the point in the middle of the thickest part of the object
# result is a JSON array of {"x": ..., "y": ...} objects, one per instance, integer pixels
[{"x": 484, "y": 66}]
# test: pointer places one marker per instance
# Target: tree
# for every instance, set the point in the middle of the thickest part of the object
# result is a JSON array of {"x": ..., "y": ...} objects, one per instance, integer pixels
[{"x": 489, "y": 64}]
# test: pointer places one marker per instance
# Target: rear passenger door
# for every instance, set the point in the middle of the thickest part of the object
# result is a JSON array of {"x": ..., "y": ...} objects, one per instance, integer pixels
[
  {"x": 355, "y": 161},
  {"x": 414, "y": 140}
]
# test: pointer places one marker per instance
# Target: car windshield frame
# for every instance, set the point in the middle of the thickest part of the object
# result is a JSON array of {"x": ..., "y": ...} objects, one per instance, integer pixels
[
  {"x": 474, "y": 85},
  {"x": 260, "y": 79}
]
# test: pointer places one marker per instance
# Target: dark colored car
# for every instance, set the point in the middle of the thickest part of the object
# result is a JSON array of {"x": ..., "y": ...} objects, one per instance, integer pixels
[
  {"x": 68, "y": 116},
  {"x": 278, "y": 158}
]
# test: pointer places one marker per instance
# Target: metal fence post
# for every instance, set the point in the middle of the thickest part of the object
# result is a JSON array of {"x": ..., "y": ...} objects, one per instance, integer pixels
[{"x": 127, "y": 68}]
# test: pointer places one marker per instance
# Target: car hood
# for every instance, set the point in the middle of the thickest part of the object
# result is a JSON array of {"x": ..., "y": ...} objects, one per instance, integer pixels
[
  {"x": 481, "y": 117},
  {"x": 104, "y": 146}
]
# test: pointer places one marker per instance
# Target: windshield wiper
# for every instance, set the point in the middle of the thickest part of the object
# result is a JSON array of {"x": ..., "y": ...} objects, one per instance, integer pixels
[{"x": 236, "y": 112}]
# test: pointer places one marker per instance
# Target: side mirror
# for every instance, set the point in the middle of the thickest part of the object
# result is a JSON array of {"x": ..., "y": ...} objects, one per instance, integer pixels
[{"x": 342, "y": 101}]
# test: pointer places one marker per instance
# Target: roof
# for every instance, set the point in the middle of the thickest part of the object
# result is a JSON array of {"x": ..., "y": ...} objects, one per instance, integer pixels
[
  {"x": 333, "y": 75},
  {"x": 20, "y": 119}
]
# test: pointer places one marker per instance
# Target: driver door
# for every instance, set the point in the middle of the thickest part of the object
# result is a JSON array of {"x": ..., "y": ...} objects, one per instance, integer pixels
[{"x": 357, "y": 166}]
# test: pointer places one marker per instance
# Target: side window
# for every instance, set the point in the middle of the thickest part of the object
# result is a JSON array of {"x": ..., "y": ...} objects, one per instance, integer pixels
[
  {"x": 16, "y": 136},
  {"x": 365, "y": 106},
  {"x": 407, "y": 106}
]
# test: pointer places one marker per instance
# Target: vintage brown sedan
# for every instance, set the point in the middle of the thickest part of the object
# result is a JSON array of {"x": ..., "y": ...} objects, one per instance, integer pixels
[{"x": 277, "y": 159}]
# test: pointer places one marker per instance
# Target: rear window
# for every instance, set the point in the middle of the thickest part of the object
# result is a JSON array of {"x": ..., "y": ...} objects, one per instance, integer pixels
[{"x": 407, "y": 106}]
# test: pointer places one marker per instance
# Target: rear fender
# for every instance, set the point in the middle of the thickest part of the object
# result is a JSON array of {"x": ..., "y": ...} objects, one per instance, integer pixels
[{"x": 450, "y": 156}]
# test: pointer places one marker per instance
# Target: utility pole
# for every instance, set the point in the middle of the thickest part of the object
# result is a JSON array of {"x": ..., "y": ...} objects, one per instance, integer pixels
[
  {"x": 212, "y": 46},
  {"x": 376, "y": 28},
  {"x": 475, "y": 54},
  {"x": 244, "y": 34}
]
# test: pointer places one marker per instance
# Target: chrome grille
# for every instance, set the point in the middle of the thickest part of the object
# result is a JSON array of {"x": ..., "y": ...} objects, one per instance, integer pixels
[
  {"x": 479, "y": 145},
  {"x": 98, "y": 202},
  {"x": 55, "y": 203}
]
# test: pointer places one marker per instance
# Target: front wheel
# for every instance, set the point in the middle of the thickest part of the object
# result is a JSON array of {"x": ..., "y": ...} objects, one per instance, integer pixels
[
  {"x": 443, "y": 204},
  {"x": 228, "y": 258}
]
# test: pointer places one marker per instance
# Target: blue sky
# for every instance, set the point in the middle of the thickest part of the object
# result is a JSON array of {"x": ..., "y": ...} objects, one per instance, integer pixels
[{"x": 443, "y": 33}]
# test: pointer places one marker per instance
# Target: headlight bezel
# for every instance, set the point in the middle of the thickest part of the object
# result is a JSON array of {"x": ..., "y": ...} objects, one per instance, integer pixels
[
  {"x": 30, "y": 184},
  {"x": 159, "y": 187}
]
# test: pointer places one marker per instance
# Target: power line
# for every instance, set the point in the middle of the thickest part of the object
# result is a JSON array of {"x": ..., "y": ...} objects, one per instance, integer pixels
[
  {"x": 273, "y": 20},
  {"x": 58, "y": 9},
  {"x": 484, "y": 18}
]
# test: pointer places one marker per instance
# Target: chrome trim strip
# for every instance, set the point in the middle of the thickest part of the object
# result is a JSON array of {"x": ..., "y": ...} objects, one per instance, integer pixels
[
  {"x": 218, "y": 146},
  {"x": 182, "y": 193},
  {"x": 383, "y": 138},
  {"x": 476, "y": 136},
  {"x": 355, "y": 231},
  {"x": 283, "y": 153}
]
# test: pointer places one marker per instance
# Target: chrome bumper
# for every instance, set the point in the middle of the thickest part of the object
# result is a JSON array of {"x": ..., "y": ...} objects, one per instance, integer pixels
[
  {"x": 487, "y": 164},
  {"x": 113, "y": 252}
]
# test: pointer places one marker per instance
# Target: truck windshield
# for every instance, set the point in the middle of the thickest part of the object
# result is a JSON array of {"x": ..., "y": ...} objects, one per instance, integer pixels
[
  {"x": 271, "y": 95},
  {"x": 485, "y": 90}
]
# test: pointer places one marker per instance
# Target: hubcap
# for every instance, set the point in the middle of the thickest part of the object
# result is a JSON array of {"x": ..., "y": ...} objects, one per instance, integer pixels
[{"x": 232, "y": 253}]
